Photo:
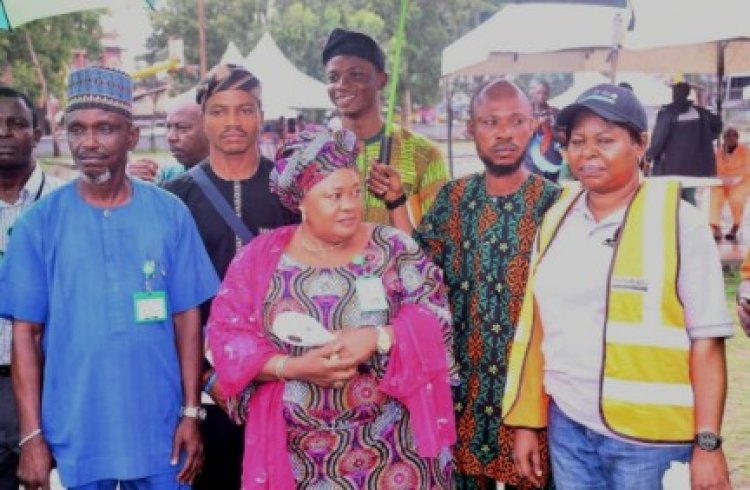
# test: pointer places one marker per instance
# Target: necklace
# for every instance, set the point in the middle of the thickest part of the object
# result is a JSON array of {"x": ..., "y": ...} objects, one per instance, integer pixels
[{"x": 318, "y": 250}]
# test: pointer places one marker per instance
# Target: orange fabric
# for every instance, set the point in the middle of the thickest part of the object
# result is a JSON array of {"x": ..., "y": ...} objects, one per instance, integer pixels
[
  {"x": 733, "y": 191},
  {"x": 736, "y": 195},
  {"x": 735, "y": 165}
]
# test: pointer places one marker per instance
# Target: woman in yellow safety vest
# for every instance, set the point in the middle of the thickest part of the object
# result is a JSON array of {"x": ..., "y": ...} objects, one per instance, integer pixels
[{"x": 619, "y": 351}]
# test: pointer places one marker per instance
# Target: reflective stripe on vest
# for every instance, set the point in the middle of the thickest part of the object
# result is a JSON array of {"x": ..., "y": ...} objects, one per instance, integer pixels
[{"x": 646, "y": 393}]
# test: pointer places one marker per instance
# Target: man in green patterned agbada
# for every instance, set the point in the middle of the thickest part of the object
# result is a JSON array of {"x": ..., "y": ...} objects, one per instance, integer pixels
[{"x": 480, "y": 232}]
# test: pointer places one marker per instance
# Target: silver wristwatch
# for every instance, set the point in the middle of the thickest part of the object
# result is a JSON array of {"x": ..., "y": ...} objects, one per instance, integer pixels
[
  {"x": 384, "y": 342},
  {"x": 708, "y": 441},
  {"x": 198, "y": 413}
]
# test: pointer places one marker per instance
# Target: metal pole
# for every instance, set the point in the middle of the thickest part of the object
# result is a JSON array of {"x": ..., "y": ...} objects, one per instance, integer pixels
[
  {"x": 720, "y": 69},
  {"x": 202, "y": 37},
  {"x": 617, "y": 35}
]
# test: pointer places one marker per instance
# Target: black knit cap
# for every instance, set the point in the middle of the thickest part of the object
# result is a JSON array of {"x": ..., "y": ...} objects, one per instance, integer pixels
[{"x": 343, "y": 42}]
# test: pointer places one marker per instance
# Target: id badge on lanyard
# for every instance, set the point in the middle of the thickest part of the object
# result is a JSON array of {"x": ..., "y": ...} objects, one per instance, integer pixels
[
  {"x": 371, "y": 295},
  {"x": 149, "y": 306}
]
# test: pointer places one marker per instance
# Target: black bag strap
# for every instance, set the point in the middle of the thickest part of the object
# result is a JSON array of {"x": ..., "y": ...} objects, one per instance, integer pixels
[
  {"x": 220, "y": 204},
  {"x": 41, "y": 188}
]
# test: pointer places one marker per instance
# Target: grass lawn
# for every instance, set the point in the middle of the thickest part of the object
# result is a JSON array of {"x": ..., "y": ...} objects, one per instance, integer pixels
[{"x": 736, "y": 428}]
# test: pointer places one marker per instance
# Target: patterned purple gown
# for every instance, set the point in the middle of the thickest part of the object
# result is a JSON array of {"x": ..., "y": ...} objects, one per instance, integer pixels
[{"x": 357, "y": 437}]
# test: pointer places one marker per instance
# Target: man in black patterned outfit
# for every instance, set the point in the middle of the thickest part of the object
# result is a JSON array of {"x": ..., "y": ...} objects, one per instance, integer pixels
[{"x": 232, "y": 114}]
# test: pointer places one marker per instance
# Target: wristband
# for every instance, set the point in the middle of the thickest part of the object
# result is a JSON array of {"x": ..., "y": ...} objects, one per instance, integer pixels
[
  {"x": 210, "y": 383},
  {"x": 280, "y": 365},
  {"x": 399, "y": 201},
  {"x": 29, "y": 437}
]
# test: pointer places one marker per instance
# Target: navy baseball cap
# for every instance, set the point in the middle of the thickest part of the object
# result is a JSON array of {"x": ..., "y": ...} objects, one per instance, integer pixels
[{"x": 611, "y": 103}]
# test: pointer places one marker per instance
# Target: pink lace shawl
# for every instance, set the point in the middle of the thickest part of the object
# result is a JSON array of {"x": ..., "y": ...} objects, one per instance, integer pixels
[{"x": 417, "y": 373}]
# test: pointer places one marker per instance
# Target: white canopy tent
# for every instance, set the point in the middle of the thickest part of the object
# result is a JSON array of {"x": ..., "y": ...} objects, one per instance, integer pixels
[
  {"x": 232, "y": 55},
  {"x": 285, "y": 89},
  {"x": 536, "y": 38},
  {"x": 651, "y": 91},
  {"x": 669, "y": 36},
  {"x": 283, "y": 84},
  {"x": 688, "y": 36}
]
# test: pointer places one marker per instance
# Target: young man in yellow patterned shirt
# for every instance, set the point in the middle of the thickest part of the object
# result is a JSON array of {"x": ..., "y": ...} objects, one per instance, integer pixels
[{"x": 398, "y": 194}]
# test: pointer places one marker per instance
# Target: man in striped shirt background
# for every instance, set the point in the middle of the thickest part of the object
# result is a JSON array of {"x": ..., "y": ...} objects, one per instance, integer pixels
[{"x": 22, "y": 183}]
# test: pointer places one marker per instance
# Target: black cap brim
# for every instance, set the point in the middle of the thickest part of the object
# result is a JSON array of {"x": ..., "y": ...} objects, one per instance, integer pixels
[{"x": 568, "y": 115}]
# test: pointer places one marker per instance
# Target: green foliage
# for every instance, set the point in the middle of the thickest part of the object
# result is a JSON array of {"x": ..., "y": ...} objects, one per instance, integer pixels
[
  {"x": 240, "y": 21},
  {"x": 301, "y": 30},
  {"x": 431, "y": 26},
  {"x": 301, "y": 27},
  {"x": 54, "y": 41}
]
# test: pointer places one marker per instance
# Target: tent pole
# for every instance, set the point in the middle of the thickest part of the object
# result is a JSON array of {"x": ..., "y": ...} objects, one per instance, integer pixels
[
  {"x": 720, "y": 77},
  {"x": 617, "y": 35},
  {"x": 449, "y": 124},
  {"x": 203, "y": 57}
]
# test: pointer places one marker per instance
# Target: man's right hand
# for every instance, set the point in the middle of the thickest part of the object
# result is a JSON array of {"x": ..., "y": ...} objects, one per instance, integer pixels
[
  {"x": 526, "y": 455},
  {"x": 144, "y": 169},
  {"x": 35, "y": 464},
  {"x": 743, "y": 305}
]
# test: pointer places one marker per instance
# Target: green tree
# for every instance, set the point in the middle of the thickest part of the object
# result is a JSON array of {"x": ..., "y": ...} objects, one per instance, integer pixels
[
  {"x": 53, "y": 41},
  {"x": 301, "y": 27},
  {"x": 238, "y": 21}
]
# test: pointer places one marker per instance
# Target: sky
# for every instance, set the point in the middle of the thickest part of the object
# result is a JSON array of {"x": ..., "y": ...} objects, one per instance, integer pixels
[{"x": 133, "y": 25}]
